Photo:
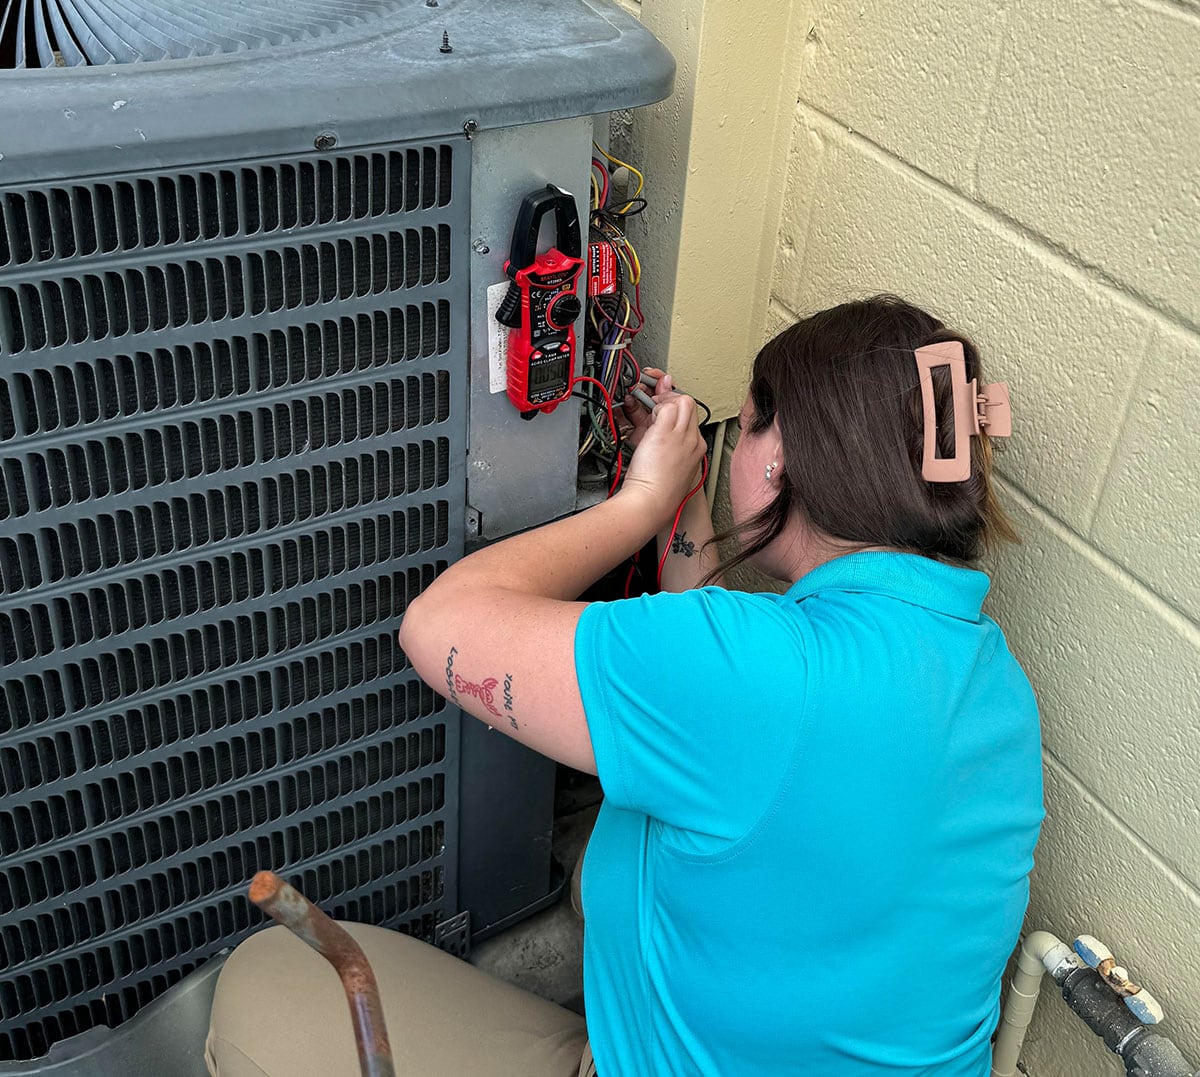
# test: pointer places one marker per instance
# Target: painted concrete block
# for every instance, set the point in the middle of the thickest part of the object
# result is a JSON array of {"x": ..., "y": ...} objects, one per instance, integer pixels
[
  {"x": 1149, "y": 516},
  {"x": 1115, "y": 675},
  {"x": 1092, "y": 877},
  {"x": 778, "y": 319},
  {"x": 805, "y": 161},
  {"x": 714, "y": 157},
  {"x": 1093, "y": 136},
  {"x": 914, "y": 78},
  {"x": 1069, "y": 348}
]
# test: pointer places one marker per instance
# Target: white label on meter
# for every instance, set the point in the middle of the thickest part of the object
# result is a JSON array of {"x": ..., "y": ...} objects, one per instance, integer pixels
[{"x": 497, "y": 340}]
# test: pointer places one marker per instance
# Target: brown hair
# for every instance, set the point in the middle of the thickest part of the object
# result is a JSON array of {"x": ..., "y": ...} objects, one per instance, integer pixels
[{"x": 844, "y": 387}]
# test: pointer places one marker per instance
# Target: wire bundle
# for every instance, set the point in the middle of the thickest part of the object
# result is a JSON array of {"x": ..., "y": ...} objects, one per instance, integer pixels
[{"x": 614, "y": 320}]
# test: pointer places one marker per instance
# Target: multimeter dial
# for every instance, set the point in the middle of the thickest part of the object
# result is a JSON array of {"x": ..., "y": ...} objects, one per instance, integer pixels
[{"x": 563, "y": 310}]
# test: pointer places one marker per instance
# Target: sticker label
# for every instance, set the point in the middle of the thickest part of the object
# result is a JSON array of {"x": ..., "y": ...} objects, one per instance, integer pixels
[
  {"x": 602, "y": 269},
  {"x": 497, "y": 340}
]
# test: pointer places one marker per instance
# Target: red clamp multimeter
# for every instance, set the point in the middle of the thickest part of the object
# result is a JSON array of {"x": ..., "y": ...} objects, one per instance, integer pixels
[{"x": 541, "y": 305}]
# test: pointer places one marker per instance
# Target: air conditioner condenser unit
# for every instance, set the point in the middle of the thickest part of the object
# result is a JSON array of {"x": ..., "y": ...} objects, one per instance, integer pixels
[{"x": 245, "y": 416}]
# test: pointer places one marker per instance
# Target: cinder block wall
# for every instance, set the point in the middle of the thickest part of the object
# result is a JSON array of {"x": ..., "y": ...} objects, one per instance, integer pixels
[{"x": 1031, "y": 171}]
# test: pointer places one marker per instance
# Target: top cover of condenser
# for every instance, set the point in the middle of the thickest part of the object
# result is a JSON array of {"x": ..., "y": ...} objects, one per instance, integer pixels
[{"x": 383, "y": 78}]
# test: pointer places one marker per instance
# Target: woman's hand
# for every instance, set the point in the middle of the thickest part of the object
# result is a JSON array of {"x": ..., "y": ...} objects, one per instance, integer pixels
[
  {"x": 666, "y": 462},
  {"x": 637, "y": 418}
]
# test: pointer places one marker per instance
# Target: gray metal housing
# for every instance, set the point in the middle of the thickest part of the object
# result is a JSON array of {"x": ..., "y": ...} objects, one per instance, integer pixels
[
  {"x": 513, "y": 62},
  {"x": 243, "y": 408}
]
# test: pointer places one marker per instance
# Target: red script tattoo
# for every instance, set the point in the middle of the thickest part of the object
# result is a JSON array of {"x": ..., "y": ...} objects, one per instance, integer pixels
[{"x": 482, "y": 692}]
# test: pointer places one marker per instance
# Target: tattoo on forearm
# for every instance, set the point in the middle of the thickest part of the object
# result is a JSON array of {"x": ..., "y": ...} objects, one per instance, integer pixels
[
  {"x": 450, "y": 674},
  {"x": 484, "y": 691},
  {"x": 508, "y": 701},
  {"x": 679, "y": 544}
]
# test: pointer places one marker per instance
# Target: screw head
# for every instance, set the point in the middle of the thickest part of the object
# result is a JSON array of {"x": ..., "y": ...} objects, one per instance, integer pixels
[
  {"x": 326, "y": 140},
  {"x": 479, "y": 247},
  {"x": 470, "y": 127}
]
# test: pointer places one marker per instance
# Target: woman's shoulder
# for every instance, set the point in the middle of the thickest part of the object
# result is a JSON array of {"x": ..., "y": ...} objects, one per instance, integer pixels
[
  {"x": 717, "y": 600},
  {"x": 711, "y": 629},
  {"x": 706, "y": 610}
]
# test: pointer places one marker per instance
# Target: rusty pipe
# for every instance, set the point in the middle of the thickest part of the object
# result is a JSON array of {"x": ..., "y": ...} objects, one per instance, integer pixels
[{"x": 291, "y": 908}]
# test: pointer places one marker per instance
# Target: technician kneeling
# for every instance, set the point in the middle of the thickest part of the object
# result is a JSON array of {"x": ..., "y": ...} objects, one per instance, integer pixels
[{"x": 820, "y": 807}]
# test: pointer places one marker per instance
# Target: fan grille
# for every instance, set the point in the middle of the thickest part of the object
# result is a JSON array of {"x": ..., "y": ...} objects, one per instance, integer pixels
[
  {"x": 70, "y": 33},
  {"x": 232, "y": 420}
]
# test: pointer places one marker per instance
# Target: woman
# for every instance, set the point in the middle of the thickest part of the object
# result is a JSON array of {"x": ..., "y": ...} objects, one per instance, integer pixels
[{"x": 821, "y": 806}]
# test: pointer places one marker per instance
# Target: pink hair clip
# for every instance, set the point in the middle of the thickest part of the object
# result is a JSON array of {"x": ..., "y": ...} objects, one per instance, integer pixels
[{"x": 975, "y": 411}]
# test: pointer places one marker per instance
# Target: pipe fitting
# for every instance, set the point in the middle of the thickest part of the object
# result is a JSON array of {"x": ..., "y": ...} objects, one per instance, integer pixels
[
  {"x": 1040, "y": 953},
  {"x": 1143, "y": 1005},
  {"x": 1095, "y": 994},
  {"x": 1101, "y": 1010}
]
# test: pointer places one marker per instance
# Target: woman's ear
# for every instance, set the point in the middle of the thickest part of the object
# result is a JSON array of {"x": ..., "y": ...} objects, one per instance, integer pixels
[{"x": 777, "y": 450}]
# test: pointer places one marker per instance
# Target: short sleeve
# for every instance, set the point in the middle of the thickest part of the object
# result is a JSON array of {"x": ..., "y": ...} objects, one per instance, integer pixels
[{"x": 693, "y": 702}]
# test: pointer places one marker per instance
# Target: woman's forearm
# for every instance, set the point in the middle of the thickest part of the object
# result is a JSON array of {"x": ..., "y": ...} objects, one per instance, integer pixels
[
  {"x": 562, "y": 559},
  {"x": 495, "y": 633},
  {"x": 691, "y": 554}
]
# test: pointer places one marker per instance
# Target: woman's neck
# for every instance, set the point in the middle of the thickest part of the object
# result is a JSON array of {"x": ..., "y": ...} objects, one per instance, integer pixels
[{"x": 800, "y": 549}]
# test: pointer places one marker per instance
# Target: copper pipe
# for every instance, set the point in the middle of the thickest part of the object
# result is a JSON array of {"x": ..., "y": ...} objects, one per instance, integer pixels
[{"x": 291, "y": 908}]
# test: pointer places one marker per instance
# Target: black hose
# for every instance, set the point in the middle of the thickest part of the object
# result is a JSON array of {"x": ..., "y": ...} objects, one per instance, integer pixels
[
  {"x": 1153, "y": 1055},
  {"x": 1144, "y": 1052}
]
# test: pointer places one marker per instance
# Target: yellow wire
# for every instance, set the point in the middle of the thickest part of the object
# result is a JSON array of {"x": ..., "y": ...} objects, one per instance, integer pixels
[
  {"x": 632, "y": 264},
  {"x": 624, "y": 249},
  {"x": 637, "y": 262},
  {"x": 624, "y": 164}
]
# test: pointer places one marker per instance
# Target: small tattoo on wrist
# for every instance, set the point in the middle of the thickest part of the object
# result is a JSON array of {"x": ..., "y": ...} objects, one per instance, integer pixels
[{"x": 679, "y": 544}]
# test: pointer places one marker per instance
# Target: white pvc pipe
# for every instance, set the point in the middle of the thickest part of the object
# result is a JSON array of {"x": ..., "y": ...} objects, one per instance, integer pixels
[{"x": 1040, "y": 953}]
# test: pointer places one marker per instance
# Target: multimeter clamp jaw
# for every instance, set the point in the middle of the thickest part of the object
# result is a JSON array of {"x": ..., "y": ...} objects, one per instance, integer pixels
[{"x": 541, "y": 305}]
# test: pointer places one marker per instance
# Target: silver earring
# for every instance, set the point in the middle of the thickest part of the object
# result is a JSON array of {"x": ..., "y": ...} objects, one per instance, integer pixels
[{"x": 771, "y": 469}]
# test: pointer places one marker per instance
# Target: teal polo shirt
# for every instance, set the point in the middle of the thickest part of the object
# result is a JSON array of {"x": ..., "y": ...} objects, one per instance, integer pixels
[{"x": 819, "y": 820}]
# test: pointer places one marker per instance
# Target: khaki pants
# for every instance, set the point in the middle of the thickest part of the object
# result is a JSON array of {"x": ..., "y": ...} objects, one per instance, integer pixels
[{"x": 279, "y": 1011}]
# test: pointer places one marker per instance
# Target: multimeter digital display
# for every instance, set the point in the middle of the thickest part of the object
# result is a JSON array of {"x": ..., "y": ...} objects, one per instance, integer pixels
[
  {"x": 542, "y": 304},
  {"x": 548, "y": 373}
]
